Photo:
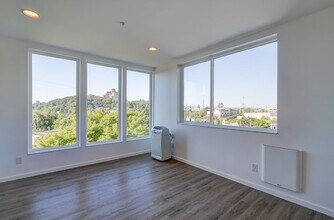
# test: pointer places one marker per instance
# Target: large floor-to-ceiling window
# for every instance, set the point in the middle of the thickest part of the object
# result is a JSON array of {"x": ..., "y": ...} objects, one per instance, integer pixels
[
  {"x": 54, "y": 101},
  {"x": 74, "y": 102},
  {"x": 138, "y": 104},
  {"x": 103, "y": 109}
]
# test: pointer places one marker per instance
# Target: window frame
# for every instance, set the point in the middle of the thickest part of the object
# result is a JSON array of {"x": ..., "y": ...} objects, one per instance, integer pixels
[
  {"x": 151, "y": 97},
  {"x": 31, "y": 52},
  {"x": 193, "y": 63},
  {"x": 229, "y": 51},
  {"x": 120, "y": 101},
  {"x": 82, "y": 61}
]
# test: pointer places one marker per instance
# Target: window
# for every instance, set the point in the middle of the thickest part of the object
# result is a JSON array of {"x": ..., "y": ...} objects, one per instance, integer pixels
[
  {"x": 102, "y": 103},
  {"x": 138, "y": 104},
  {"x": 243, "y": 88},
  {"x": 197, "y": 92},
  {"x": 54, "y": 101},
  {"x": 69, "y": 107}
]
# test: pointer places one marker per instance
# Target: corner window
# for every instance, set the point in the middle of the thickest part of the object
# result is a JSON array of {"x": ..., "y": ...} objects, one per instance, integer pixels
[
  {"x": 53, "y": 101},
  {"x": 103, "y": 109},
  {"x": 242, "y": 89},
  {"x": 138, "y": 104}
]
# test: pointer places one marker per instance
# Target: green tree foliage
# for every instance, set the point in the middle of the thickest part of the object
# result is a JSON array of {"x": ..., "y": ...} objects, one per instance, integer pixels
[
  {"x": 141, "y": 105},
  {"x": 63, "y": 135},
  {"x": 138, "y": 118},
  {"x": 263, "y": 122},
  {"x": 199, "y": 116},
  {"x": 232, "y": 119},
  {"x": 102, "y": 126},
  {"x": 220, "y": 105},
  {"x": 248, "y": 110},
  {"x": 43, "y": 120},
  {"x": 98, "y": 102},
  {"x": 57, "y": 119},
  {"x": 137, "y": 124},
  {"x": 63, "y": 106},
  {"x": 217, "y": 121}
]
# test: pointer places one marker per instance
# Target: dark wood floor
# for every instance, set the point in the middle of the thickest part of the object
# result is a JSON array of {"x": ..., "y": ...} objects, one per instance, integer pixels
[{"x": 140, "y": 188}]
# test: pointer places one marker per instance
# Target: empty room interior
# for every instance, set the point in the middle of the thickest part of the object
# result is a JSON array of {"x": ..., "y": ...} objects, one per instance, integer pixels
[{"x": 155, "y": 109}]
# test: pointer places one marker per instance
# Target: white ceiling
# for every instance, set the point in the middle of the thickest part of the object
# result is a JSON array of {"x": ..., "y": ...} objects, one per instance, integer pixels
[{"x": 176, "y": 27}]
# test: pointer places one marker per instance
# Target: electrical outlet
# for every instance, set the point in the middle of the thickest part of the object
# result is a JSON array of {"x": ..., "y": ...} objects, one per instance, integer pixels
[
  {"x": 18, "y": 160},
  {"x": 255, "y": 168}
]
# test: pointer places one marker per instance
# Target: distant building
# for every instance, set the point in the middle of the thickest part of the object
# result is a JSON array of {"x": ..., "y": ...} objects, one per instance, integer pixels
[
  {"x": 259, "y": 115},
  {"x": 271, "y": 109},
  {"x": 111, "y": 94},
  {"x": 224, "y": 112},
  {"x": 195, "y": 108}
]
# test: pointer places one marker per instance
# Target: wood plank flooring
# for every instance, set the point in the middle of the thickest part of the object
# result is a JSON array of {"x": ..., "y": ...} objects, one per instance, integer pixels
[{"x": 141, "y": 188}]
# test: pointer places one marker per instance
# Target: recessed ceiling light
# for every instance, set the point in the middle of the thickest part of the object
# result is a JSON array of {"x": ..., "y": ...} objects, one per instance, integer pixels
[
  {"x": 30, "y": 13},
  {"x": 152, "y": 49}
]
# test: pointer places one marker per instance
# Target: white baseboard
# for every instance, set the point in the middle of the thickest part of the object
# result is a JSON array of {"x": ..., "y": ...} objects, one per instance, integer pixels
[
  {"x": 55, "y": 169},
  {"x": 262, "y": 188}
]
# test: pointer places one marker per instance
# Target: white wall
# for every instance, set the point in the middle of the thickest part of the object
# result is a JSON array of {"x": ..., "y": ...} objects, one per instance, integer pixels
[
  {"x": 306, "y": 117},
  {"x": 13, "y": 120}
]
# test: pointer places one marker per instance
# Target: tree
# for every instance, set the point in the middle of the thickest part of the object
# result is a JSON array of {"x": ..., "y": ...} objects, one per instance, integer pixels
[
  {"x": 43, "y": 120},
  {"x": 64, "y": 133},
  {"x": 248, "y": 110},
  {"x": 220, "y": 105},
  {"x": 102, "y": 126},
  {"x": 217, "y": 121},
  {"x": 261, "y": 123},
  {"x": 58, "y": 117},
  {"x": 137, "y": 124}
]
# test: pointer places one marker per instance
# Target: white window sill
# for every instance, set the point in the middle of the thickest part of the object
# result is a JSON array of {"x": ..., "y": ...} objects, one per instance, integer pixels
[
  {"x": 94, "y": 144},
  {"x": 51, "y": 149},
  {"x": 138, "y": 138},
  {"x": 237, "y": 128}
]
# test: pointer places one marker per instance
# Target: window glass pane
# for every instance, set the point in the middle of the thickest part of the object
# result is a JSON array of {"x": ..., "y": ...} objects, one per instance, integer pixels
[
  {"x": 102, "y": 103},
  {"x": 138, "y": 104},
  {"x": 54, "y": 102},
  {"x": 245, "y": 88},
  {"x": 197, "y": 92}
]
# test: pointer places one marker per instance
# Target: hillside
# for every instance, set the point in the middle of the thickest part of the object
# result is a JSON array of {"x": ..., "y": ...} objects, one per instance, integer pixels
[{"x": 57, "y": 118}]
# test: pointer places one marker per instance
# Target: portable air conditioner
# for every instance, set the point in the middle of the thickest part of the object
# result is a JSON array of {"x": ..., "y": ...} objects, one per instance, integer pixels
[{"x": 161, "y": 146}]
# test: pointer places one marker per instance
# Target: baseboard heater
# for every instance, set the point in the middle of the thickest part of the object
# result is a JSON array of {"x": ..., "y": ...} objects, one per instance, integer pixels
[{"x": 282, "y": 167}]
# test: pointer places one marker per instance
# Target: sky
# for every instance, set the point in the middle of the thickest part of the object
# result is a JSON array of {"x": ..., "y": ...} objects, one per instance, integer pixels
[
  {"x": 101, "y": 79},
  {"x": 138, "y": 86},
  {"x": 54, "y": 78},
  {"x": 249, "y": 76}
]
